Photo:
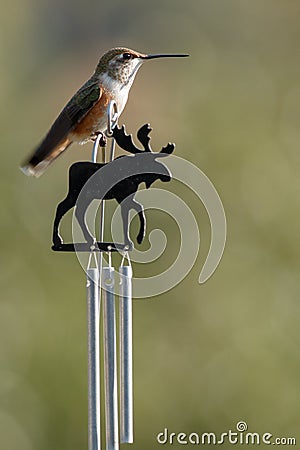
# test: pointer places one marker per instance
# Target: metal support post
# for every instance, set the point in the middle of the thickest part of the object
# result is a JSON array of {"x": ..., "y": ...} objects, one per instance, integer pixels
[
  {"x": 110, "y": 360},
  {"x": 126, "y": 377},
  {"x": 94, "y": 441}
]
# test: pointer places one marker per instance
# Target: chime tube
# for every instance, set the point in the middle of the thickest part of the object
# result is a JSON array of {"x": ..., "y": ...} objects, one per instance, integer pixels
[
  {"x": 110, "y": 360},
  {"x": 126, "y": 383},
  {"x": 94, "y": 440}
]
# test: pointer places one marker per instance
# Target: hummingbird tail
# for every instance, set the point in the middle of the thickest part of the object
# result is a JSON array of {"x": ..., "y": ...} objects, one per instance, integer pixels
[{"x": 40, "y": 160}]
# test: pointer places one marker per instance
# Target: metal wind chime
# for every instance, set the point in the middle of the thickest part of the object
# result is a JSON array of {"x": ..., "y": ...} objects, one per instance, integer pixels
[{"x": 113, "y": 179}]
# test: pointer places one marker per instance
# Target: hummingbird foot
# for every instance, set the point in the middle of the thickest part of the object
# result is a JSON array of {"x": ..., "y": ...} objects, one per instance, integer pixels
[{"x": 103, "y": 139}]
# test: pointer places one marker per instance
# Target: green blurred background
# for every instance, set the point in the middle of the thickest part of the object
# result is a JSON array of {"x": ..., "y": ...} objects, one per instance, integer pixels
[{"x": 205, "y": 356}]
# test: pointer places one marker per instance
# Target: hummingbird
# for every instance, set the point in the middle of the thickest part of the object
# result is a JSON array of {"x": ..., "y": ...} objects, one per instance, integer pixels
[{"x": 85, "y": 115}]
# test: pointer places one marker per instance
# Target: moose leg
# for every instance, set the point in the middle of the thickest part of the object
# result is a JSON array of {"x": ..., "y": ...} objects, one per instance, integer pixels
[
  {"x": 125, "y": 210},
  {"x": 61, "y": 210},
  {"x": 128, "y": 204},
  {"x": 80, "y": 211},
  {"x": 140, "y": 210}
]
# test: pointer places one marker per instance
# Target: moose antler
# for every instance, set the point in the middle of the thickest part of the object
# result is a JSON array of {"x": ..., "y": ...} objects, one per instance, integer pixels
[
  {"x": 125, "y": 140},
  {"x": 167, "y": 150},
  {"x": 143, "y": 136}
]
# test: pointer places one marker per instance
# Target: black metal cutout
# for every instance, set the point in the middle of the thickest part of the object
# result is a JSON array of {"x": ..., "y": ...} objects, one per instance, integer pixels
[
  {"x": 119, "y": 180},
  {"x": 95, "y": 247}
]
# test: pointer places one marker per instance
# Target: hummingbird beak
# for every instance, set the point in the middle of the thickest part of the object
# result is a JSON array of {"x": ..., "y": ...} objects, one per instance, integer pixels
[{"x": 165, "y": 55}]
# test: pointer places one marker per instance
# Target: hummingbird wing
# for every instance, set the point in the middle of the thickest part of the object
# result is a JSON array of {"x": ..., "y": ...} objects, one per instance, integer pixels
[{"x": 57, "y": 140}]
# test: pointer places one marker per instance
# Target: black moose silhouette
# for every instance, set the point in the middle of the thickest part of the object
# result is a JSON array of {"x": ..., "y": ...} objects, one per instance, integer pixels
[{"x": 118, "y": 179}]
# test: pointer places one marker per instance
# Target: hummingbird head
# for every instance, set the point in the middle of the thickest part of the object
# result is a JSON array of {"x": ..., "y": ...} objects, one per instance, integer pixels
[{"x": 121, "y": 64}]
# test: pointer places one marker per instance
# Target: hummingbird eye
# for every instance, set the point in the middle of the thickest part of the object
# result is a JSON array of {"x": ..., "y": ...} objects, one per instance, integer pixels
[{"x": 127, "y": 56}]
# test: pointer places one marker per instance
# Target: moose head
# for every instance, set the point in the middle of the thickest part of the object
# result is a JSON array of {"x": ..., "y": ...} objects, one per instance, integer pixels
[
  {"x": 155, "y": 170},
  {"x": 118, "y": 179}
]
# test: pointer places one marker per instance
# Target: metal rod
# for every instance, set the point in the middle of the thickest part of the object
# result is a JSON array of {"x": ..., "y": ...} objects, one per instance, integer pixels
[
  {"x": 126, "y": 377},
  {"x": 102, "y": 208},
  {"x": 101, "y": 227},
  {"x": 106, "y": 291},
  {"x": 94, "y": 441},
  {"x": 112, "y": 117},
  {"x": 110, "y": 360},
  {"x": 95, "y": 148},
  {"x": 112, "y": 150},
  {"x": 101, "y": 237}
]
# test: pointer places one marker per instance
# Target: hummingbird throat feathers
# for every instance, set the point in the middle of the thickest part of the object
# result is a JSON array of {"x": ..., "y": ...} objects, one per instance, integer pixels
[
  {"x": 120, "y": 77},
  {"x": 119, "y": 86}
]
